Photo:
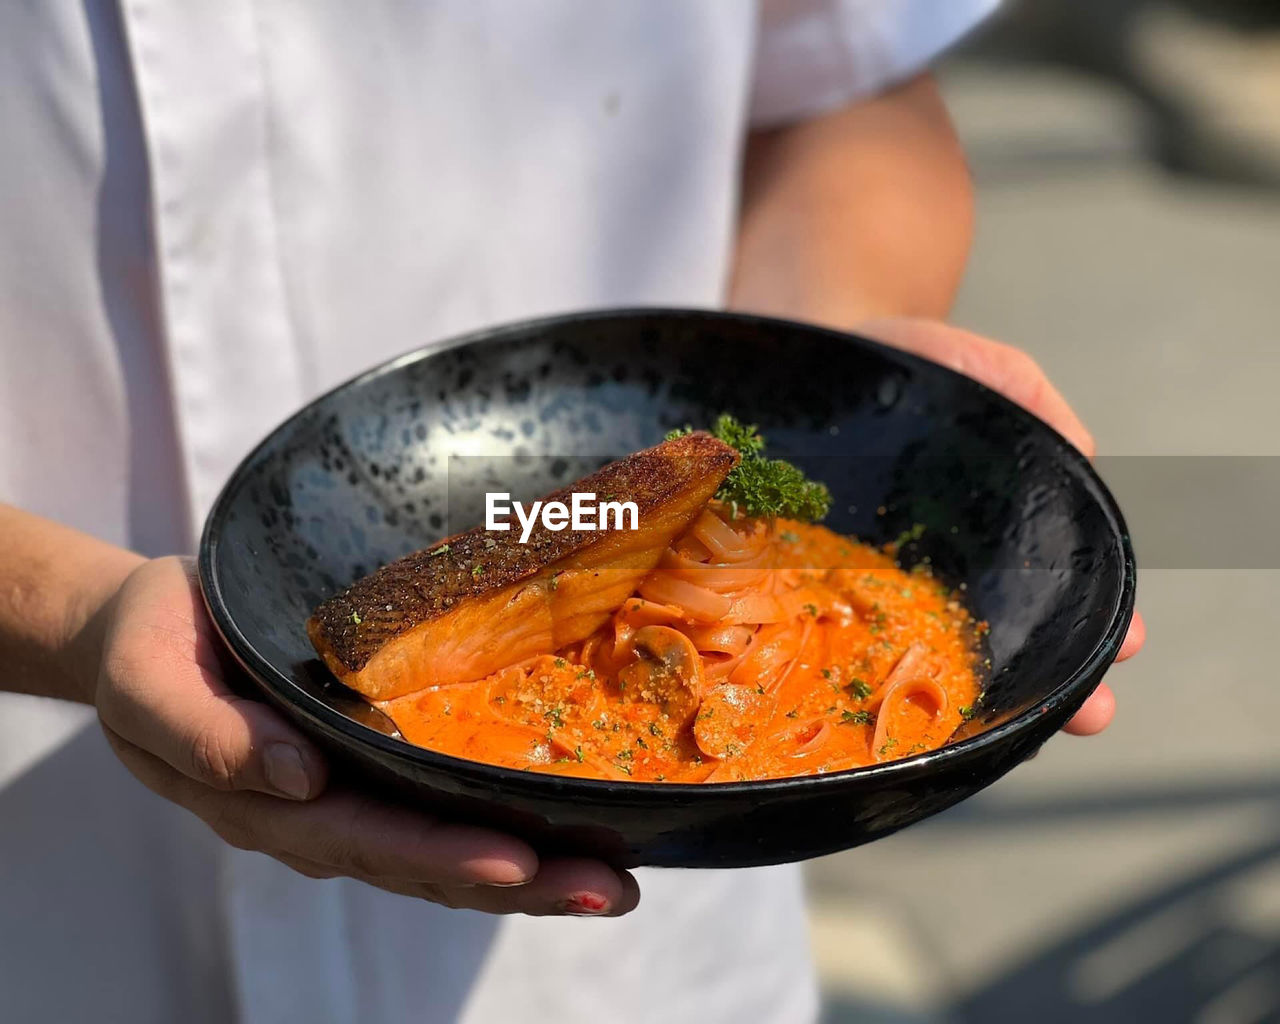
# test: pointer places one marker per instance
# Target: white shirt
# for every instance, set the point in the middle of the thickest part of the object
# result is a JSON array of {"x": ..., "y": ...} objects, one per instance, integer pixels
[{"x": 209, "y": 212}]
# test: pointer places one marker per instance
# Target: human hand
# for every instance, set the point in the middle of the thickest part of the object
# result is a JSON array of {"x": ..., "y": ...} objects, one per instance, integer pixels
[
  {"x": 1018, "y": 377},
  {"x": 166, "y": 708}
]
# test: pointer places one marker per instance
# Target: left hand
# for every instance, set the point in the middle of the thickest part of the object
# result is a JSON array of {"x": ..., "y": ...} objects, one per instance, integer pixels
[{"x": 1019, "y": 378}]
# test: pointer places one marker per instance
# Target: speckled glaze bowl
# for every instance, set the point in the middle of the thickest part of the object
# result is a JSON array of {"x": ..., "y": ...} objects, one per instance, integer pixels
[{"x": 399, "y": 457}]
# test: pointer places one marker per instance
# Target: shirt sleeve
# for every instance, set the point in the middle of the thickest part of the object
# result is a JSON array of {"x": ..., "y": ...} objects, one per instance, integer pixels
[{"x": 816, "y": 55}]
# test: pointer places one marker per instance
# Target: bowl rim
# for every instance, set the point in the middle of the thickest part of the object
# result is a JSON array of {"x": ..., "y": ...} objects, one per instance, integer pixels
[{"x": 1086, "y": 675}]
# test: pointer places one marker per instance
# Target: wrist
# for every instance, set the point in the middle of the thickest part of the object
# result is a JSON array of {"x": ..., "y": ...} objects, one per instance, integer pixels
[
  {"x": 56, "y": 586},
  {"x": 79, "y": 648}
]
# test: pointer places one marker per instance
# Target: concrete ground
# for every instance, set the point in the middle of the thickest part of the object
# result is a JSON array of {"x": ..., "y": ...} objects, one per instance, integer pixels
[{"x": 1135, "y": 876}]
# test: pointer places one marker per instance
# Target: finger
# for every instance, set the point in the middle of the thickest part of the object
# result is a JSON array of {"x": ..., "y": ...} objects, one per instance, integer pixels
[
  {"x": 345, "y": 831},
  {"x": 580, "y": 889},
  {"x": 161, "y": 690},
  {"x": 570, "y": 887},
  {"x": 1096, "y": 715},
  {"x": 454, "y": 896},
  {"x": 1002, "y": 368},
  {"x": 1134, "y": 639},
  {"x": 576, "y": 888},
  {"x": 562, "y": 887},
  {"x": 447, "y": 896},
  {"x": 310, "y": 868}
]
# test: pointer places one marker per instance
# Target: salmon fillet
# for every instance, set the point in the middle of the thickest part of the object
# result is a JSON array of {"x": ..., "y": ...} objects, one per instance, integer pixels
[{"x": 480, "y": 600}]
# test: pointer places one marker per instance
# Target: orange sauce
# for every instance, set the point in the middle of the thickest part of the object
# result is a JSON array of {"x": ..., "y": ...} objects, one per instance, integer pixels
[{"x": 755, "y": 650}]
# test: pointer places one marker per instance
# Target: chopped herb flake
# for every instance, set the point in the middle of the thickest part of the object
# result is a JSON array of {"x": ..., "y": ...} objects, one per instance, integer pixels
[{"x": 860, "y": 688}]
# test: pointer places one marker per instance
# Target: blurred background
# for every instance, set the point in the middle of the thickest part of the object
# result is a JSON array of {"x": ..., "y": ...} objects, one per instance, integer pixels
[{"x": 1127, "y": 160}]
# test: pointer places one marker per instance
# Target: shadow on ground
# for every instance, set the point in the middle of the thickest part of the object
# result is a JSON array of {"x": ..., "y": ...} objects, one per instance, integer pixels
[{"x": 1204, "y": 948}]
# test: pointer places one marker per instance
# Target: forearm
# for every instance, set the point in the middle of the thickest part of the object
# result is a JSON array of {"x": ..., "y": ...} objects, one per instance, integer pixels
[
  {"x": 864, "y": 212},
  {"x": 54, "y": 582}
]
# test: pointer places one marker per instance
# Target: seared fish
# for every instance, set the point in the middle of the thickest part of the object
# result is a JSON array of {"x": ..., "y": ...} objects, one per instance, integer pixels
[{"x": 480, "y": 600}]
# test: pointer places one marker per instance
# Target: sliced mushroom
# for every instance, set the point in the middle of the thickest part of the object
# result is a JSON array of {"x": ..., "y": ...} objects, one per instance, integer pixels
[{"x": 667, "y": 672}]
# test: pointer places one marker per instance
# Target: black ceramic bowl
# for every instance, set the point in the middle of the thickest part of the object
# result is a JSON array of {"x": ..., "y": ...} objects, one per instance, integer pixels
[{"x": 394, "y": 460}]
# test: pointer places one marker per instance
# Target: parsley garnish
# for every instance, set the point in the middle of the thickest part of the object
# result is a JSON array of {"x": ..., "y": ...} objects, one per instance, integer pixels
[
  {"x": 862, "y": 717},
  {"x": 758, "y": 486}
]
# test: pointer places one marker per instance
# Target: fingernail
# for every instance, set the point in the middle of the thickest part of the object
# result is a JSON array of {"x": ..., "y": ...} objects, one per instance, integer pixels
[
  {"x": 497, "y": 873},
  {"x": 584, "y": 904},
  {"x": 285, "y": 773}
]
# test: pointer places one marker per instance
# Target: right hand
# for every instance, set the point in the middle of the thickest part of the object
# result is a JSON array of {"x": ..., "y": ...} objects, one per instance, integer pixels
[
  {"x": 259, "y": 784},
  {"x": 1015, "y": 375}
]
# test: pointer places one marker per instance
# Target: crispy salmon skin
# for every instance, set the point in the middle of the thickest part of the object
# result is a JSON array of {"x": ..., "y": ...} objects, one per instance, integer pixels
[{"x": 481, "y": 600}]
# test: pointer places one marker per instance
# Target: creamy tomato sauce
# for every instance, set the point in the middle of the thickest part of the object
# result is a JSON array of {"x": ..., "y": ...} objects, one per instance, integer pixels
[{"x": 757, "y": 649}]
